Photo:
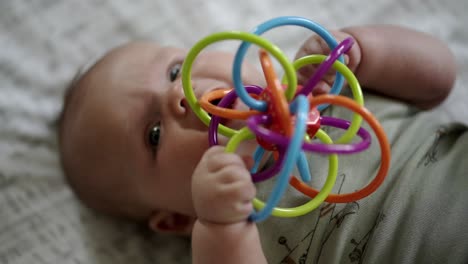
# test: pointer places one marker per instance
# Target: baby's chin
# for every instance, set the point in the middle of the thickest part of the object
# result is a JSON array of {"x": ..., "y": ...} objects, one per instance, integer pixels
[
  {"x": 236, "y": 123},
  {"x": 232, "y": 124},
  {"x": 246, "y": 147}
]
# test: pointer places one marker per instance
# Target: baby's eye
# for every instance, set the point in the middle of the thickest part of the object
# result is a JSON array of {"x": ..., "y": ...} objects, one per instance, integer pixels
[
  {"x": 175, "y": 71},
  {"x": 153, "y": 135}
]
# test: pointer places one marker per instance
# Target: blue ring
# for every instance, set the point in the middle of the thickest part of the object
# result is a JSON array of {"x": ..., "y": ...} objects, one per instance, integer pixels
[
  {"x": 302, "y": 164},
  {"x": 262, "y": 28},
  {"x": 303, "y": 167},
  {"x": 258, "y": 155},
  {"x": 300, "y": 106}
]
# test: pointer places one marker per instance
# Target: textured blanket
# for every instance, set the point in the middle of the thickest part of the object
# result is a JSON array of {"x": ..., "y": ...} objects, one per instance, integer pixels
[{"x": 43, "y": 43}]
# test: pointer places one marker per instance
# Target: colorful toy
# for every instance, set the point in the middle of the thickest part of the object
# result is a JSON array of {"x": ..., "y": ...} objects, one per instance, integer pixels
[{"x": 285, "y": 119}]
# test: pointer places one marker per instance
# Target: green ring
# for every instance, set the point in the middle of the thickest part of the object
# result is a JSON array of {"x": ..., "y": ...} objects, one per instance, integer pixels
[
  {"x": 353, "y": 84},
  {"x": 245, "y": 134},
  {"x": 227, "y": 35}
]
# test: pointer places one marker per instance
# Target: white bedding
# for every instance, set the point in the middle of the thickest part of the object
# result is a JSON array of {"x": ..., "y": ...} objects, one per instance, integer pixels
[{"x": 43, "y": 43}]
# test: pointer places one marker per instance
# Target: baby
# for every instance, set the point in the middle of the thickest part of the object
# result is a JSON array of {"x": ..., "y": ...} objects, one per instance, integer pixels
[{"x": 132, "y": 147}]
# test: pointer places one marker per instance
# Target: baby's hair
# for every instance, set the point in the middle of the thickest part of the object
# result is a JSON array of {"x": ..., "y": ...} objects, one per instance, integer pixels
[
  {"x": 68, "y": 96},
  {"x": 72, "y": 100}
]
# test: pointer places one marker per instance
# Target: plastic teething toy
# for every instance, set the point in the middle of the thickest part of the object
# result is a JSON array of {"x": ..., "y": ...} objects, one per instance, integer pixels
[{"x": 284, "y": 118}]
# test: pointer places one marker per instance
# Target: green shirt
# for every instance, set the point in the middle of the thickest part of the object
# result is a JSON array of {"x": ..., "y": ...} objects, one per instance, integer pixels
[{"x": 418, "y": 215}]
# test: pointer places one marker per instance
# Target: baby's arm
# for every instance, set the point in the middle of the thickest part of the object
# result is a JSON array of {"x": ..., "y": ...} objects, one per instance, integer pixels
[
  {"x": 222, "y": 192},
  {"x": 396, "y": 62}
]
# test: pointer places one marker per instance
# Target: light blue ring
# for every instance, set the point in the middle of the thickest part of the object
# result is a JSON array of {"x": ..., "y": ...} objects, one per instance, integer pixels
[
  {"x": 258, "y": 155},
  {"x": 302, "y": 164},
  {"x": 303, "y": 167},
  {"x": 262, "y": 28},
  {"x": 300, "y": 106}
]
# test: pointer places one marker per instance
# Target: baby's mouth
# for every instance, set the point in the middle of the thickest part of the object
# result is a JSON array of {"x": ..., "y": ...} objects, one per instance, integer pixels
[
  {"x": 222, "y": 121},
  {"x": 231, "y": 123},
  {"x": 216, "y": 101}
]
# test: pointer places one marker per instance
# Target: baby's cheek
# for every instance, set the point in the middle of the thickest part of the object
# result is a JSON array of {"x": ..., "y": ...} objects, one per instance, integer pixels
[{"x": 189, "y": 154}]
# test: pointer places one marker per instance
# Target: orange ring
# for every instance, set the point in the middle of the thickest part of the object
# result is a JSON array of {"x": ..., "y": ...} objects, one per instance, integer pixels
[
  {"x": 279, "y": 107},
  {"x": 205, "y": 103},
  {"x": 384, "y": 147}
]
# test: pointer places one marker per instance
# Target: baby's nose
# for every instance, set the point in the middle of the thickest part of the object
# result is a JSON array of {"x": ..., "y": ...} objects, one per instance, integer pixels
[
  {"x": 213, "y": 64},
  {"x": 177, "y": 102}
]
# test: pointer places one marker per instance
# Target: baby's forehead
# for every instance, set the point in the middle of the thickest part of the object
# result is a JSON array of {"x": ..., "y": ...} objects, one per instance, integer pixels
[
  {"x": 113, "y": 64},
  {"x": 116, "y": 72},
  {"x": 120, "y": 54}
]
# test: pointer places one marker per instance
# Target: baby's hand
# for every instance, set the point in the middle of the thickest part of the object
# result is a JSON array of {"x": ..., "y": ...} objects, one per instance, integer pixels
[
  {"x": 316, "y": 45},
  {"x": 222, "y": 188}
]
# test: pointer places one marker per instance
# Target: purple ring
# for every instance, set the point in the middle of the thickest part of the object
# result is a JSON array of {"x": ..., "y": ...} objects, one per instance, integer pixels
[
  {"x": 272, "y": 171},
  {"x": 256, "y": 122},
  {"x": 225, "y": 102},
  {"x": 339, "y": 50},
  {"x": 213, "y": 135}
]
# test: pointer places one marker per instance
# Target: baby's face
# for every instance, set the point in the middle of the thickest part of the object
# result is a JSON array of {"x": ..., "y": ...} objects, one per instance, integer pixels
[{"x": 130, "y": 135}]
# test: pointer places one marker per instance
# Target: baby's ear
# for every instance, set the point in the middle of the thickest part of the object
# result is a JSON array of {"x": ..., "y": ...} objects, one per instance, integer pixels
[{"x": 171, "y": 223}]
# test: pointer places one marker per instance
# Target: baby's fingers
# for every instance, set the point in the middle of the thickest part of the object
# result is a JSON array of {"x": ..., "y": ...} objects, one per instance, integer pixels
[
  {"x": 322, "y": 87},
  {"x": 316, "y": 45},
  {"x": 313, "y": 45}
]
